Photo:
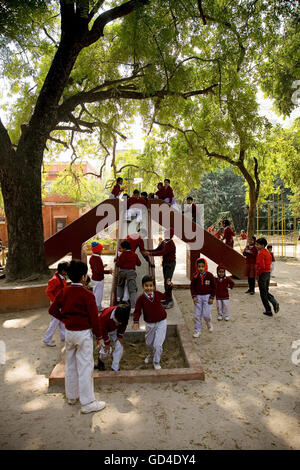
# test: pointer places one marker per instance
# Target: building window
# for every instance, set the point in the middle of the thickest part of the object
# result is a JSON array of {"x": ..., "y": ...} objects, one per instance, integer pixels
[
  {"x": 48, "y": 186},
  {"x": 60, "y": 224}
]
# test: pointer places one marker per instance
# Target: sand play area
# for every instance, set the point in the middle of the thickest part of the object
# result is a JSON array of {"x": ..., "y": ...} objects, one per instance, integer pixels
[{"x": 250, "y": 398}]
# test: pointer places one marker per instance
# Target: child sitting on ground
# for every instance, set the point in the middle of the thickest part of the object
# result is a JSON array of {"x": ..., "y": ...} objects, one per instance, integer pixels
[
  {"x": 127, "y": 262},
  {"x": 76, "y": 307},
  {"x": 203, "y": 293},
  {"x": 223, "y": 285},
  {"x": 155, "y": 318},
  {"x": 55, "y": 285},
  {"x": 113, "y": 322},
  {"x": 98, "y": 272}
]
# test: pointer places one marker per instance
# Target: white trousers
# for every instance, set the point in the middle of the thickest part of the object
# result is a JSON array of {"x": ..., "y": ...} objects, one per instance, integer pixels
[
  {"x": 79, "y": 367},
  {"x": 98, "y": 287},
  {"x": 117, "y": 351},
  {"x": 134, "y": 212},
  {"x": 53, "y": 325},
  {"x": 223, "y": 307},
  {"x": 155, "y": 336},
  {"x": 202, "y": 310},
  {"x": 272, "y": 268}
]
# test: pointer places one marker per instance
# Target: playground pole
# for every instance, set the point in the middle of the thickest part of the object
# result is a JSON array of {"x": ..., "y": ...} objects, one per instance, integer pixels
[
  {"x": 281, "y": 227},
  {"x": 278, "y": 232},
  {"x": 273, "y": 217},
  {"x": 269, "y": 219},
  {"x": 295, "y": 233},
  {"x": 284, "y": 230}
]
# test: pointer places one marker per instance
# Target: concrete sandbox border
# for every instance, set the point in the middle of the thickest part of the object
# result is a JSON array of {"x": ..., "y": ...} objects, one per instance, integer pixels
[{"x": 192, "y": 371}]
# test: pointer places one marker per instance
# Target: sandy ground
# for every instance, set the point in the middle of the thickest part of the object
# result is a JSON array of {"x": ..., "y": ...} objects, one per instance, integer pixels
[{"x": 249, "y": 399}]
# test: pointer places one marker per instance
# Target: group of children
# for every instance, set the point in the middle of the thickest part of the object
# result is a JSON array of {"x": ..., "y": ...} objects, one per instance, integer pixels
[
  {"x": 164, "y": 192},
  {"x": 79, "y": 314}
]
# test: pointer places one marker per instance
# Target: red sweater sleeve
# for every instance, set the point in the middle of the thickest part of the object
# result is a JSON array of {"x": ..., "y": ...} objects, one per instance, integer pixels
[
  {"x": 55, "y": 307},
  {"x": 161, "y": 250},
  {"x": 138, "y": 261},
  {"x": 93, "y": 315},
  {"x": 192, "y": 287},
  {"x": 231, "y": 284},
  {"x": 53, "y": 284},
  {"x": 213, "y": 287},
  {"x": 138, "y": 309}
]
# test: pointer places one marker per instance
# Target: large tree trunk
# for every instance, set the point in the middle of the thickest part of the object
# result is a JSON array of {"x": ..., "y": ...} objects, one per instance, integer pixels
[
  {"x": 21, "y": 187},
  {"x": 251, "y": 212}
]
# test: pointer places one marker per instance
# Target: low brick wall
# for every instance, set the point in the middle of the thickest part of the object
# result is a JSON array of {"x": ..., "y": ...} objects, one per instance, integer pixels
[{"x": 23, "y": 298}]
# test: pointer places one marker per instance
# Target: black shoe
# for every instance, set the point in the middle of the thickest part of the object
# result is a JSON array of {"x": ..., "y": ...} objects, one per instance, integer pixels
[
  {"x": 100, "y": 365},
  {"x": 276, "y": 307},
  {"x": 269, "y": 314},
  {"x": 252, "y": 293},
  {"x": 169, "y": 304},
  {"x": 248, "y": 291}
]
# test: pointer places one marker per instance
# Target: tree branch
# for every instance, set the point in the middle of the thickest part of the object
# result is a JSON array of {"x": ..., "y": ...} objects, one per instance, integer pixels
[
  {"x": 58, "y": 141},
  {"x": 6, "y": 146},
  {"x": 140, "y": 168},
  {"x": 201, "y": 12},
  {"x": 119, "y": 92},
  {"x": 118, "y": 12}
]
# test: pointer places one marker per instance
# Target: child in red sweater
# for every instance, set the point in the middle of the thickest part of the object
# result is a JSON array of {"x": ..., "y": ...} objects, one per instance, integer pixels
[
  {"x": 127, "y": 261},
  {"x": 203, "y": 293},
  {"x": 113, "y": 322},
  {"x": 263, "y": 269},
  {"x": 55, "y": 285},
  {"x": 166, "y": 249},
  {"x": 155, "y": 318},
  {"x": 223, "y": 285},
  {"x": 117, "y": 190},
  {"x": 76, "y": 307},
  {"x": 98, "y": 272}
]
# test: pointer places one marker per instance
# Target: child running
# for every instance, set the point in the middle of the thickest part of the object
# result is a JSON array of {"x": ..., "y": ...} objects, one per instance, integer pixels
[
  {"x": 76, "y": 307},
  {"x": 155, "y": 318},
  {"x": 98, "y": 272},
  {"x": 113, "y": 322},
  {"x": 223, "y": 285},
  {"x": 55, "y": 285},
  {"x": 203, "y": 293}
]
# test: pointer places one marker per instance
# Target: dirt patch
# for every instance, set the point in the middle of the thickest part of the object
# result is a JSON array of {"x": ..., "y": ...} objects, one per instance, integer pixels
[{"x": 135, "y": 353}]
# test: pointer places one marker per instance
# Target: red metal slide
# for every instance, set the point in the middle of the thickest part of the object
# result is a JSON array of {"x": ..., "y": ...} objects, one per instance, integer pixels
[{"x": 71, "y": 238}]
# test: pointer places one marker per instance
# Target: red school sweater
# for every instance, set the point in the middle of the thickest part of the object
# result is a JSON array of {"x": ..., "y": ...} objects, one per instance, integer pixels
[
  {"x": 222, "y": 285},
  {"x": 128, "y": 260},
  {"x": 97, "y": 268},
  {"x": 166, "y": 249},
  {"x": 251, "y": 253},
  {"x": 107, "y": 325},
  {"x": 203, "y": 284},
  {"x": 76, "y": 307},
  {"x": 263, "y": 262},
  {"x": 55, "y": 285},
  {"x": 137, "y": 200},
  {"x": 116, "y": 190},
  {"x": 161, "y": 193},
  {"x": 153, "y": 310},
  {"x": 169, "y": 193}
]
